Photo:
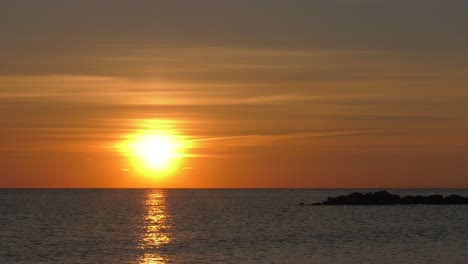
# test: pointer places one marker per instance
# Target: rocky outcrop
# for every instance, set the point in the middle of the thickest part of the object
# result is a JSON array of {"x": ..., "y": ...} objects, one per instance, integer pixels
[{"x": 386, "y": 198}]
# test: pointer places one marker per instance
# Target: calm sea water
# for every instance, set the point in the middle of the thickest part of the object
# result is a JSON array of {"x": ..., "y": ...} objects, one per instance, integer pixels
[{"x": 224, "y": 226}]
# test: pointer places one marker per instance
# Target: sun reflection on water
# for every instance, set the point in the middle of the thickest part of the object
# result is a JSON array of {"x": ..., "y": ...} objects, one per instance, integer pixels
[{"x": 156, "y": 228}]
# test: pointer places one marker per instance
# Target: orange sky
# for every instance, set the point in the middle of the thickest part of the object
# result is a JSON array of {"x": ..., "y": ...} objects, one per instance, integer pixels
[{"x": 319, "y": 94}]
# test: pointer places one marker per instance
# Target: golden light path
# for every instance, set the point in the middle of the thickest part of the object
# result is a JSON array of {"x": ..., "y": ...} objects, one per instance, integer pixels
[
  {"x": 156, "y": 229},
  {"x": 156, "y": 150}
]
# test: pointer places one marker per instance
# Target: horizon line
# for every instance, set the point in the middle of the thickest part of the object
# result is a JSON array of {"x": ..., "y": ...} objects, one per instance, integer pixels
[{"x": 231, "y": 188}]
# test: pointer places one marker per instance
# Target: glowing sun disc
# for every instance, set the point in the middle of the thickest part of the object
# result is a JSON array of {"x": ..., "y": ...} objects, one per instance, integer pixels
[{"x": 154, "y": 151}]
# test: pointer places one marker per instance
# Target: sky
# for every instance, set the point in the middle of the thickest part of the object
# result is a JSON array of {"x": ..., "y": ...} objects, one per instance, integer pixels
[{"x": 265, "y": 94}]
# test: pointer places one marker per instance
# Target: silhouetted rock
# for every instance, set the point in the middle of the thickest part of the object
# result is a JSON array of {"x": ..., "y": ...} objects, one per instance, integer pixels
[
  {"x": 386, "y": 198},
  {"x": 456, "y": 199},
  {"x": 435, "y": 199}
]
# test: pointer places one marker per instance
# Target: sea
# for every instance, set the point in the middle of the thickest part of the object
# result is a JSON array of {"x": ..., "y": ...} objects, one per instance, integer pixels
[{"x": 225, "y": 226}]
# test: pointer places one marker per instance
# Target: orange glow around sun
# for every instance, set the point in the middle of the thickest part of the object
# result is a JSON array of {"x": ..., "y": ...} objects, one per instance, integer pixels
[{"x": 154, "y": 151}]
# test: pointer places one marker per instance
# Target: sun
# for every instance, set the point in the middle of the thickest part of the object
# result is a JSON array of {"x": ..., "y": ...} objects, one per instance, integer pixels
[{"x": 154, "y": 152}]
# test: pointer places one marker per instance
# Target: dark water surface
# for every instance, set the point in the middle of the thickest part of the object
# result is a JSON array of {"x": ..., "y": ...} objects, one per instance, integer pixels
[{"x": 227, "y": 226}]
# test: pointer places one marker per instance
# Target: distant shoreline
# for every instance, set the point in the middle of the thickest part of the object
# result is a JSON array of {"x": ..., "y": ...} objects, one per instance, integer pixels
[{"x": 386, "y": 198}]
